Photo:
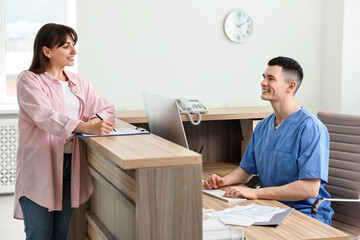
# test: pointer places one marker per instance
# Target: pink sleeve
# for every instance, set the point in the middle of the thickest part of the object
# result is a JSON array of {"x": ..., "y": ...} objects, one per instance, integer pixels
[{"x": 35, "y": 102}]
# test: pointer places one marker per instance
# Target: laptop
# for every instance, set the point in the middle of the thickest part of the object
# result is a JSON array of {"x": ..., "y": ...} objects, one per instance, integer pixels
[{"x": 164, "y": 118}]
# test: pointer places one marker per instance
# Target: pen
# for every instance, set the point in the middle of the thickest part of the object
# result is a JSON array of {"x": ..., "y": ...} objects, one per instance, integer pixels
[
  {"x": 103, "y": 119},
  {"x": 201, "y": 149}
]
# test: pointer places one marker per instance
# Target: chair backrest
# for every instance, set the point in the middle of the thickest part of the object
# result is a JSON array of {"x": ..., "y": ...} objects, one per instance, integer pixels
[{"x": 344, "y": 168}]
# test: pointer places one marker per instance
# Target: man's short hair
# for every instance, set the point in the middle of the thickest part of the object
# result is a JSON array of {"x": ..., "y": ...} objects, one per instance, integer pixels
[{"x": 291, "y": 69}]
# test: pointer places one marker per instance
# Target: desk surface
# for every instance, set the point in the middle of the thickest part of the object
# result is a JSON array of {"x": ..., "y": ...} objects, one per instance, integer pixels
[
  {"x": 227, "y": 113},
  {"x": 296, "y": 226},
  {"x": 142, "y": 151}
]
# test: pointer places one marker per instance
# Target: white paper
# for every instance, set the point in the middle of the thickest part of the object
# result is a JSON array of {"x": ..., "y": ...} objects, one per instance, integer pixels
[
  {"x": 122, "y": 131},
  {"x": 224, "y": 234},
  {"x": 247, "y": 215},
  {"x": 213, "y": 224}
]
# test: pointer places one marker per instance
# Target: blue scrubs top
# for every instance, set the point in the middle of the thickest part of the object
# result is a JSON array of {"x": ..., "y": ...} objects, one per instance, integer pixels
[{"x": 297, "y": 149}]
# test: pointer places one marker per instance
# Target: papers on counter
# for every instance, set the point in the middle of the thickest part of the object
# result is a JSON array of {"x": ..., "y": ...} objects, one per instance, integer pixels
[
  {"x": 223, "y": 234},
  {"x": 119, "y": 132},
  {"x": 252, "y": 214},
  {"x": 213, "y": 229},
  {"x": 213, "y": 224}
]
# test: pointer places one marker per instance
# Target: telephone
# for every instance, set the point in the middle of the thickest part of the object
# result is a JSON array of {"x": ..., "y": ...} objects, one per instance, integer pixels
[{"x": 189, "y": 106}]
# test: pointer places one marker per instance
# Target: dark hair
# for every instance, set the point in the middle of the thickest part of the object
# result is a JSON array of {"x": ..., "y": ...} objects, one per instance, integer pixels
[
  {"x": 291, "y": 69},
  {"x": 49, "y": 35}
]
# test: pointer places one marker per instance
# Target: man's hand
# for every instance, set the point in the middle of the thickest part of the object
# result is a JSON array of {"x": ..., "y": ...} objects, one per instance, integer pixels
[
  {"x": 294, "y": 191},
  {"x": 237, "y": 175},
  {"x": 214, "y": 182},
  {"x": 244, "y": 192}
]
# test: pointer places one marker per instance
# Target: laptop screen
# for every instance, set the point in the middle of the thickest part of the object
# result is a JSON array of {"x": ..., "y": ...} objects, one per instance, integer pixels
[{"x": 164, "y": 118}]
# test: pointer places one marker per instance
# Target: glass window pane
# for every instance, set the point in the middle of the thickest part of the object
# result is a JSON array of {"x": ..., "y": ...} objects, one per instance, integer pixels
[{"x": 23, "y": 18}]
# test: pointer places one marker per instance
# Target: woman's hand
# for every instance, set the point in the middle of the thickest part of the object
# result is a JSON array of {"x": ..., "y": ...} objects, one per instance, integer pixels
[
  {"x": 244, "y": 192},
  {"x": 95, "y": 126},
  {"x": 214, "y": 182},
  {"x": 94, "y": 120}
]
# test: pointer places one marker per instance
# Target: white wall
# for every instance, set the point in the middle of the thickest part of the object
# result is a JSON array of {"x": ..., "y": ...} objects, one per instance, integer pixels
[
  {"x": 350, "y": 90},
  {"x": 332, "y": 55},
  {"x": 178, "y": 48},
  {"x": 341, "y": 69}
]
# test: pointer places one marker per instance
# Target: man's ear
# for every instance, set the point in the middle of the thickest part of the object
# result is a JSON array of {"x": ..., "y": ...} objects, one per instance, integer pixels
[
  {"x": 292, "y": 86},
  {"x": 46, "y": 51}
]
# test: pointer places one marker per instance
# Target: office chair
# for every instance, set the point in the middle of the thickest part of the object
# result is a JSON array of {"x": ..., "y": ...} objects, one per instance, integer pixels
[{"x": 344, "y": 171}]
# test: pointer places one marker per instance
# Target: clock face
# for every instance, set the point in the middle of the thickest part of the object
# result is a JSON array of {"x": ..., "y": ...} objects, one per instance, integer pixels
[{"x": 238, "y": 26}]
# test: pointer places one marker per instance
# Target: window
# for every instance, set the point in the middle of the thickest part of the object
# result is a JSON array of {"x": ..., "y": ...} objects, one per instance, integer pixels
[{"x": 19, "y": 22}]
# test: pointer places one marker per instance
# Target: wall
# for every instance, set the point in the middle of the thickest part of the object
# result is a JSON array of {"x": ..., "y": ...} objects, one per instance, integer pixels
[
  {"x": 341, "y": 64},
  {"x": 178, "y": 48},
  {"x": 350, "y": 90},
  {"x": 332, "y": 55}
]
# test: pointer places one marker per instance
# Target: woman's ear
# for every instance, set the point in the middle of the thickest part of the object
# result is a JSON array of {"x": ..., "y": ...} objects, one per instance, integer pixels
[{"x": 46, "y": 51}]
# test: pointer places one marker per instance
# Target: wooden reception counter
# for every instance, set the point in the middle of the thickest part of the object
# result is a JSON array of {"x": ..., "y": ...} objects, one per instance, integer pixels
[
  {"x": 145, "y": 188},
  {"x": 149, "y": 188}
]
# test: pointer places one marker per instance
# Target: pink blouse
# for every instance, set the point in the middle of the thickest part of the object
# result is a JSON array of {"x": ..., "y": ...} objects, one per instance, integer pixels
[{"x": 43, "y": 128}]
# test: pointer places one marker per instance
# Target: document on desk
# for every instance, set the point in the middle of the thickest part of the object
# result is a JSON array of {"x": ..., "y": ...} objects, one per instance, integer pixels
[
  {"x": 118, "y": 132},
  {"x": 213, "y": 224},
  {"x": 219, "y": 194},
  {"x": 253, "y": 214},
  {"x": 213, "y": 229}
]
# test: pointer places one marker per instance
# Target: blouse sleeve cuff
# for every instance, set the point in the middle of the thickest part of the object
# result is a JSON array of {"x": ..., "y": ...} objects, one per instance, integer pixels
[{"x": 70, "y": 127}]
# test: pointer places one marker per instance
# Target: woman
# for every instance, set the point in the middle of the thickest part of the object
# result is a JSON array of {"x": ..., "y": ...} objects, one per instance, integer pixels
[{"x": 51, "y": 178}]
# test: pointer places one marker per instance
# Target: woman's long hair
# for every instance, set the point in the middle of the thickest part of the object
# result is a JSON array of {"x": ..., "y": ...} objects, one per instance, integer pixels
[{"x": 49, "y": 35}]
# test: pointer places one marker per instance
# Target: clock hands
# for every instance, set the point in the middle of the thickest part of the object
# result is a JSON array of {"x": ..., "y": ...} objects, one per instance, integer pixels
[{"x": 240, "y": 25}]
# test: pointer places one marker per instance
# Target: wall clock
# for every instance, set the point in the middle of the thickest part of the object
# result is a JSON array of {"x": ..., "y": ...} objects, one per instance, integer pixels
[{"x": 238, "y": 26}]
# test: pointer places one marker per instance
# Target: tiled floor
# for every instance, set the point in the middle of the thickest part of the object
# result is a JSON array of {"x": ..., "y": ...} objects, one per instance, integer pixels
[{"x": 10, "y": 228}]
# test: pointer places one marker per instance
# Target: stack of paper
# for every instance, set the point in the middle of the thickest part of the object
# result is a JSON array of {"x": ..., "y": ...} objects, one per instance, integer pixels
[
  {"x": 213, "y": 229},
  {"x": 222, "y": 234},
  {"x": 213, "y": 224},
  {"x": 250, "y": 214}
]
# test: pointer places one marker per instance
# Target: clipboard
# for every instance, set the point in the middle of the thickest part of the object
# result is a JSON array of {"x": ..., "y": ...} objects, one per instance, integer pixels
[{"x": 119, "y": 132}]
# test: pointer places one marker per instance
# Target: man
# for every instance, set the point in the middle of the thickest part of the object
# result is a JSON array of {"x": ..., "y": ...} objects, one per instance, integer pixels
[{"x": 289, "y": 150}]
